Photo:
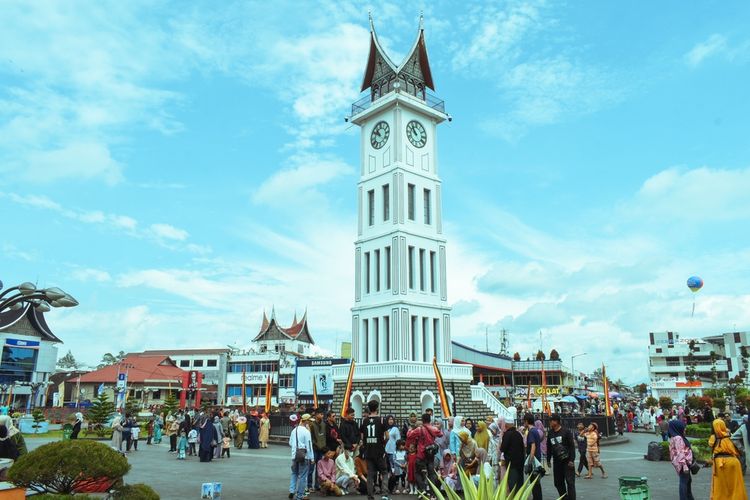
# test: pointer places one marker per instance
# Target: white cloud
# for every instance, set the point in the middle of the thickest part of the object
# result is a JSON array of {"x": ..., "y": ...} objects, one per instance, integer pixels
[
  {"x": 713, "y": 45},
  {"x": 73, "y": 161},
  {"x": 298, "y": 183},
  {"x": 91, "y": 274},
  {"x": 169, "y": 232}
]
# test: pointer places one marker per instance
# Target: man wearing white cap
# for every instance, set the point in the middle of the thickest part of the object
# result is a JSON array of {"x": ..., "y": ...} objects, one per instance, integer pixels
[{"x": 300, "y": 441}]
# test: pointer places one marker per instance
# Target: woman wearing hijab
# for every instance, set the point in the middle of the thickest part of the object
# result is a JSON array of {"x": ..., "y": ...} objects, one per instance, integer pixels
[
  {"x": 482, "y": 436},
  {"x": 471, "y": 426},
  {"x": 116, "y": 432},
  {"x": 8, "y": 449},
  {"x": 543, "y": 436},
  {"x": 253, "y": 431},
  {"x": 468, "y": 453},
  {"x": 219, "y": 432},
  {"x": 208, "y": 438},
  {"x": 265, "y": 430},
  {"x": 497, "y": 439},
  {"x": 14, "y": 434},
  {"x": 393, "y": 437},
  {"x": 241, "y": 429},
  {"x": 682, "y": 457},
  {"x": 742, "y": 435},
  {"x": 455, "y": 441},
  {"x": 77, "y": 425},
  {"x": 448, "y": 470},
  {"x": 726, "y": 476},
  {"x": 158, "y": 424}
]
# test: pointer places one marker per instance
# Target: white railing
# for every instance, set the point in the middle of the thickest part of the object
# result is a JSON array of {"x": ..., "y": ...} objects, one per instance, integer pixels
[
  {"x": 481, "y": 393},
  {"x": 409, "y": 370}
]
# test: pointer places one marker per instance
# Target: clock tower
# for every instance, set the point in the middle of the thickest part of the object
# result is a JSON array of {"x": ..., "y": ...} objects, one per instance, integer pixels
[{"x": 401, "y": 319}]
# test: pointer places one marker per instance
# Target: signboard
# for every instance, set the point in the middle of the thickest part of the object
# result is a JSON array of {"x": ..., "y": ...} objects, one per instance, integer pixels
[
  {"x": 258, "y": 378},
  {"x": 319, "y": 370},
  {"x": 33, "y": 344},
  {"x": 122, "y": 381},
  {"x": 536, "y": 391}
]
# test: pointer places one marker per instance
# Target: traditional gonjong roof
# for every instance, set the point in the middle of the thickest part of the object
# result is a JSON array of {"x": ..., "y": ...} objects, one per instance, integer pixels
[
  {"x": 382, "y": 71},
  {"x": 271, "y": 330},
  {"x": 27, "y": 321}
]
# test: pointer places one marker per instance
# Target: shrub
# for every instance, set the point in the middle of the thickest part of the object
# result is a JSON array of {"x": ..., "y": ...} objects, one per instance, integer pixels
[
  {"x": 99, "y": 412},
  {"x": 651, "y": 401},
  {"x": 485, "y": 491},
  {"x": 665, "y": 403},
  {"x": 720, "y": 403},
  {"x": 52, "y": 496},
  {"x": 137, "y": 491},
  {"x": 698, "y": 430},
  {"x": 701, "y": 450},
  {"x": 67, "y": 466},
  {"x": 665, "y": 450}
]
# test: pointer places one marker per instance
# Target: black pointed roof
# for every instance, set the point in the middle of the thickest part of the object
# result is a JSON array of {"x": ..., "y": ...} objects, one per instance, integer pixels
[
  {"x": 271, "y": 330},
  {"x": 416, "y": 64},
  {"x": 25, "y": 319}
]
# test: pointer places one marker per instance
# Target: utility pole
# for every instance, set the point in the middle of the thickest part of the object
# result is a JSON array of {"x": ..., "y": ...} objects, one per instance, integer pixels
[{"x": 486, "y": 339}]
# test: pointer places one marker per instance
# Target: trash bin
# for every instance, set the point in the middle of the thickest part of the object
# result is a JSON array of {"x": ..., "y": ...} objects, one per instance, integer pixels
[
  {"x": 67, "y": 430},
  {"x": 634, "y": 488}
]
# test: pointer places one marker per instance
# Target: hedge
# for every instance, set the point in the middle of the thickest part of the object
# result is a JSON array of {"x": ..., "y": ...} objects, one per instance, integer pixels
[{"x": 698, "y": 430}]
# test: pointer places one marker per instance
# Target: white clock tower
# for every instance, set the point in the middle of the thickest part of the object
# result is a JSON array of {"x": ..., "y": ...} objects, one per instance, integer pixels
[{"x": 401, "y": 317}]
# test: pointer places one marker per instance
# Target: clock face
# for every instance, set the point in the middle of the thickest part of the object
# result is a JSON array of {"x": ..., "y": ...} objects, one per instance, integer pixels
[
  {"x": 416, "y": 133},
  {"x": 379, "y": 136}
]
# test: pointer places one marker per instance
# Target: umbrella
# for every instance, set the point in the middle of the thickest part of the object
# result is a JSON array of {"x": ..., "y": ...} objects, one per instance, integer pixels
[
  {"x": 569, "y": 399},
  {"x": 582, "y": 397},
  {"x": 593, "y": 395},
  {"x": 613, "y": 394}
]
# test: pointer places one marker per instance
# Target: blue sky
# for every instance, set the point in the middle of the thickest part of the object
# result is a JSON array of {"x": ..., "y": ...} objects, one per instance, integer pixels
[{"x": 179, "y": 169}]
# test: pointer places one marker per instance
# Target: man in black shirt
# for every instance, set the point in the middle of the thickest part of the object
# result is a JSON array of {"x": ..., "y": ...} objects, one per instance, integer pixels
[
  {"x": 561, "y": 447},
  {"x": 514, "y": 456},
  {"x": 333, "y": 440},
  {"x": 373, "y": 445},
  {"x": 349, "y": 431}
]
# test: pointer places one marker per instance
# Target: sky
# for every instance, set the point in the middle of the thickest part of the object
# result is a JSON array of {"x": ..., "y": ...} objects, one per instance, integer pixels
[{"x": 181, "y": 167}]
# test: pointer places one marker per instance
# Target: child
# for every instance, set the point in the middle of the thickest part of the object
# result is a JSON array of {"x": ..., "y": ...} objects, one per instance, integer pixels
[
  {"x": 192, "y": 441},
  {"x": 398, "y": 472},
  {"x": 182, "y": 446},
  {"x": 411, "y": 469},
  {"x": 134, "y": 435},
  {"x": 592, "y": 451},
  {"x": 226, "y": 442}
]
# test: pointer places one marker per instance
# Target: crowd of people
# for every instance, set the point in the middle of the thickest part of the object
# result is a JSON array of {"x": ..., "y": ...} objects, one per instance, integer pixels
[
  {"x": 379, "y": 457},
  {"x": 207, "y": 435}
]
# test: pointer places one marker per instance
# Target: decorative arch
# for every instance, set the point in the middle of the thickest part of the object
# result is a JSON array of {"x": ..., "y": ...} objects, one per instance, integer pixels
[
  {"x": 357, "y": 401},
  {"x": 374, "y": 394},
  {"x": 427, "y": 401}
]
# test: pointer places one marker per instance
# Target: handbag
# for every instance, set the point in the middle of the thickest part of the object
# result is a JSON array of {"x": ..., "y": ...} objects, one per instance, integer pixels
[{"x": 300, "y": 454}]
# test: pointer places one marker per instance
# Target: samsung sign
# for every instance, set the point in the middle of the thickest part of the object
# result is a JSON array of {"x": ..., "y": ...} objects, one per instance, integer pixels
[{"x": 34, "y": 344}]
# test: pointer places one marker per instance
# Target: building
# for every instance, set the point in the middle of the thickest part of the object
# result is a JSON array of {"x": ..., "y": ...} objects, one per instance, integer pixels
[
  {"x": 495, "y": 371},
  {"x": 148, "y": 378},
  {"x": 682, "y": 367},
  {"x": 212, "y": 363},
  {"x": 29, "y": 355},
  {"x": 273, "y": 354},
  {"x": 401, "y": 317}
]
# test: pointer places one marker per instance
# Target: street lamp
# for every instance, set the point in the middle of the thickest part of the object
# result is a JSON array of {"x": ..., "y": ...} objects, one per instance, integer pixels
[
  {"x": 43, "y": 299},
  {"x": 572, "y": 366}
]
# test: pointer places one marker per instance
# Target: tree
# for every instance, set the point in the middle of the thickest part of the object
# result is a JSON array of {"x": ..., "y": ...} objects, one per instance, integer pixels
[
  {"x": 597, "y": 374},
  {"x": 641, "y": 388},
  {"x": 170, "y": 403},
  {"x": 540, "y": 355},
  {"x": 132, "y": 407},
  {"x": 99, "y": 412},
  {"x": 68, "y": 362},
  {"x": 67, "y": 466},
  {"x": 110, "y": 359},
  {"x": 516, "y": 357},
  {"x": 554, "y": 355},
  {"x": 38, "y": 416},
  {"x": 651, "y": 401},
  {"x": 714, "y": 376},
  {"x": 665, "y": 403}
]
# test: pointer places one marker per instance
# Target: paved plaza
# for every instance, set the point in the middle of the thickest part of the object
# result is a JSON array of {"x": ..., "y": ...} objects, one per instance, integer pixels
[{"x": 265, "y": 473}]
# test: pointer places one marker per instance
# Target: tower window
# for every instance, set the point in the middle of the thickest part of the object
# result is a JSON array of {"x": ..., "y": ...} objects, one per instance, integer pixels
[
  {"x": 386, "y": 202},
  {"x": 367, "y": 272},
  {"x": 427, "y": 207},
  {"x": 371, "y": 206},
  {"x": 411, "y": 268},
  {"x": 433, "y": 271},
  {"x": 376, "y": 337},
  {"x": 425, "y": 336},
  {"x": 421, "y": 270},
  {"x": 387, "y": 333},
  {"x": 377, "y": 270},
  {"x": 410, "y": 202},
  {"x": 387, "y": 268},
  {"x": 414, "y": 326},
  {"x": 366, "y": 340}
]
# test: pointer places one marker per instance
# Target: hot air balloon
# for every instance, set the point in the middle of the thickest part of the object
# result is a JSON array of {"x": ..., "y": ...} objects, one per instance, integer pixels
[{"x": 694, "y": 283}]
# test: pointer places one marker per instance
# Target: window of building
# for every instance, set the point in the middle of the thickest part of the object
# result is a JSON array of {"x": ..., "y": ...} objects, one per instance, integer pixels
[
  {"x": 184, "y": 363},
  {"x": 658, "y": 349},
  {"x": 211, "y": 362},
  {"x": 425, "y": 345},
  {"x": 387, "y": 333},
  {"x": 435, "y": 340},
  {"x": 367, "y": 272},
  {"x": 376, "y": 337},
  {"x": 737, "y": 339},
  {"x": 427, "y": 207},
  {"x": 197, "y": 363},
  {"x": 366, "y": 339},
  {"x": 410, "y": 201},
  {"x": 422, "y": 277},
  {"x": 377, "y": 270},
  {"x": 433, "y": 271},
  {"x": 371, "y": 206},
  {"x": 386, "y": 202},
  {"x": 156, "y": 394},
  {"x": 414, "y": 333},
  {"x": 411, "y": 268},
  {"x": 17, "y": 364},
  {"x": 387, "y": 268}
]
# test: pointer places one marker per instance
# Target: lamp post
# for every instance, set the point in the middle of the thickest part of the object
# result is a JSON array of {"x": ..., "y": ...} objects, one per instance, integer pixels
[
  {"x": 43, "y": 299},
  {"x": 572, "y": 366}
]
